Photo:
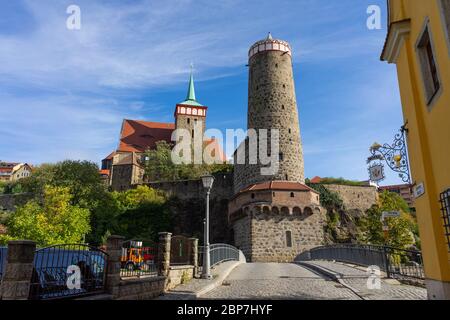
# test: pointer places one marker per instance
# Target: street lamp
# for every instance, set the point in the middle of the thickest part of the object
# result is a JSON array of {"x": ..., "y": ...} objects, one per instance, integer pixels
[{"x": 208, "y": 181}]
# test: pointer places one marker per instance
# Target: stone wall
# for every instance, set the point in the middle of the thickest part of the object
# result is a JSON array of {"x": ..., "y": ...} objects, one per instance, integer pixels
[
  {"x": 179, "y": 275},
  {"x": 355, "y": 198},
  {"x": 263, "y": 237},
  {"x": 10, "y": 201},
  {"x": 187, "y": 206},
  {"x": 141, "y": 289}
]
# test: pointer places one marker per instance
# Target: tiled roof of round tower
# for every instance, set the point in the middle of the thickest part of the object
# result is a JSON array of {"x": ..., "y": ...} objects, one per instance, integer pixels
[{"x": 269, "y": 44}]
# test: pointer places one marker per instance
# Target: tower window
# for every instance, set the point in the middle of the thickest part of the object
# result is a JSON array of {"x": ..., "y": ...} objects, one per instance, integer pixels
[
  {"x": 284, "y": 86},
  {"x": 282, "y": 107},
  {"x": 287, "y": 177},
  {"x": 292, "y": 195},
  {"x": 429, "y": 68},
  {"x": 253, "y": 196},
  {"x": 274, "y": 194},
  {"x": 192, "y": 133},
  {"x": 276, "y": 65},
  {"x": 188, "y": 120},
  {"x": 289, "y": 130},
  {"x": 289, "y": 239},
  {"x": 281, "y": 156}
]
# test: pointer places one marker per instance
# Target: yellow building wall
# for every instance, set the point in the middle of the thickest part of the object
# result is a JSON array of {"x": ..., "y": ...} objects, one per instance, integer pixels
[{"x": 429, "y": 129}]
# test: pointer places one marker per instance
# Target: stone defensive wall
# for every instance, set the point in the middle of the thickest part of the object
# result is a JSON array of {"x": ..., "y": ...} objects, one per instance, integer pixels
[{"x": 360, "y": 198}]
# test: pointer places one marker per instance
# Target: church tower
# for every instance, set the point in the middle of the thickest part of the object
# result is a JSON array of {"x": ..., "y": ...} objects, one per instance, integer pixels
[
  {"x": 273, "y": 217},
  {"x": 190, "y": 114}
]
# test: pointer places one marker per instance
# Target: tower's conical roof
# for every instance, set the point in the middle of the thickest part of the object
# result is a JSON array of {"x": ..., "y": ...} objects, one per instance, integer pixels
[{"x": 190, "y": 98}]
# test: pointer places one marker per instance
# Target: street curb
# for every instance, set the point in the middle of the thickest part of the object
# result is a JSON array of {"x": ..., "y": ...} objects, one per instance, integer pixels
[
  {"x": 328, "y": 273},
  {"x": 218, "y": 281},
  {"x": 335, "y": 276}
]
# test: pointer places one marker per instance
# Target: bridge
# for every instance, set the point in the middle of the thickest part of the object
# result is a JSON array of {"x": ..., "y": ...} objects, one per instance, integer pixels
[{"x": 337, "y": 272}]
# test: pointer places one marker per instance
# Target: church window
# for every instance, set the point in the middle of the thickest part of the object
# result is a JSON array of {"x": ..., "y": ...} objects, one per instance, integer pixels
[{"x": 289, "y": 239}]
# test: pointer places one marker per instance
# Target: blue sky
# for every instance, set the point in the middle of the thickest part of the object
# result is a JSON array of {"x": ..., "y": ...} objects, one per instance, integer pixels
[{"x": 63, "y": 93}]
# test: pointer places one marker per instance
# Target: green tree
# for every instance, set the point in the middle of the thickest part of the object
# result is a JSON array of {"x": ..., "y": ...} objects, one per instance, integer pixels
[
  {"x": 53, "y": 221},
  {"x": 159, "y": 166},
  {"x": 401, "y": 231},
  {"x": 145, "y": 213}
]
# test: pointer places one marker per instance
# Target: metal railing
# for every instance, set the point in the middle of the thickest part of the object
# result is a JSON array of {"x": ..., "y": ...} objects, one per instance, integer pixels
[
  {"x": 397, "y": 263},
  {"x": 139, "y": 259},
  {"x": 68, "y": 270},
  {"x": 219, "y": 252}
]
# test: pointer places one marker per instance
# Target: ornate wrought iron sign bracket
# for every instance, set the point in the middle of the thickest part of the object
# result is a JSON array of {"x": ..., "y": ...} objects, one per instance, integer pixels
[{"x": 394, "y": 155}]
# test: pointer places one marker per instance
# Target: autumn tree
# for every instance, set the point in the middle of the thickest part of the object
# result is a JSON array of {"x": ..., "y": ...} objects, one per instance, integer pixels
[{"x": 53, "y": 220}]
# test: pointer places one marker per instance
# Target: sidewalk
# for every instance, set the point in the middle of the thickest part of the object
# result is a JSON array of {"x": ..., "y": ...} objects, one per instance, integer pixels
[
  {"x": 198, "y": 287},
  {"x": 355, "y": 278}
]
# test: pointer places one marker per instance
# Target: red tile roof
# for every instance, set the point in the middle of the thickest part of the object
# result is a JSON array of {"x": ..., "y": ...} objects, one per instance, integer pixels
[
  {"x": 104, "y": 172},
  {"x": 138, "y": 136},
  {"x": 110, "y": 156},
  {"x": 278, "y": 185},
  {"x": 316, "y": 179}
]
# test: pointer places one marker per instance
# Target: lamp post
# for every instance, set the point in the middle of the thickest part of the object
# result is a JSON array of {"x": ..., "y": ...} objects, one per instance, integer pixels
[{"x": 208, "y": 181}]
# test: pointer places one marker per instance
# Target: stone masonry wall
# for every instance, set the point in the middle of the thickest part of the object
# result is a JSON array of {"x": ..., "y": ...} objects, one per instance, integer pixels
[
  {"x": 10, "y": 201},
  {"x": 141, "y": 289},
  {"x": 263, "y": 238},
  {"x": 269, "y": 236},
  {"x": 354, "y": 197},
  {"x": 187, "y": 206}
]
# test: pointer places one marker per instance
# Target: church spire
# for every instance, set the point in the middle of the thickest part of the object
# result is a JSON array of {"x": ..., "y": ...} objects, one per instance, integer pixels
[
  {"x": 191, "y": 89},
  {"x": 190, "y": 98}
]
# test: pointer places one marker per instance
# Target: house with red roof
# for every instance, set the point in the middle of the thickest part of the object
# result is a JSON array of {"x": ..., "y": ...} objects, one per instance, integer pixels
[
  {"x": 13, "y": 171},
  {"x": 124, "y": 166}
]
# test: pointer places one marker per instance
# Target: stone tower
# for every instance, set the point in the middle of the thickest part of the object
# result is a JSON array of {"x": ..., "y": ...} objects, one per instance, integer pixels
[
  {"x": 273, "y": 217},
  {"x": 272, "y": 105},
  {"x": 190, "y": 114}
]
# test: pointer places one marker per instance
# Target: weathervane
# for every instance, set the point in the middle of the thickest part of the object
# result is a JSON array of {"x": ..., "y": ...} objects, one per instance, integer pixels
[{"x": 395, "y": 156}]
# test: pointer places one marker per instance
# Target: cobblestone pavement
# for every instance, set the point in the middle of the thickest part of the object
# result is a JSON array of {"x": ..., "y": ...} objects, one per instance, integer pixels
[
  {"x": 278, "y": 281},
  {"x": 356, "y": 277}
]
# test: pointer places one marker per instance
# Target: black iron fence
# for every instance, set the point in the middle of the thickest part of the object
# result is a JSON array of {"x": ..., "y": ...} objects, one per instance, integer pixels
[
  {"x": 68, "y": 270},
  {"x": 139, "y": 259},
  {"x": 3, "y": 254},
  {"x": 397, "y": 263},
  {"x": 180, "y": 251}
]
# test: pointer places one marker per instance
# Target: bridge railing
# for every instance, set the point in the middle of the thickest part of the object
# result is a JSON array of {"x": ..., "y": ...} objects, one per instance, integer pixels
[
  {"x": 397, "y": 263},
  {"x": 220, "y": 252}
]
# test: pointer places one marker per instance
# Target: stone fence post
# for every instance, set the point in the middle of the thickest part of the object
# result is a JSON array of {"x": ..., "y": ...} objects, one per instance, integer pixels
[
  {"x": 164, "y": 253},
  {"x": 114, "y": 251},
  {"x": 193, "y": 259},
  {"x": 18, "y": 271}
]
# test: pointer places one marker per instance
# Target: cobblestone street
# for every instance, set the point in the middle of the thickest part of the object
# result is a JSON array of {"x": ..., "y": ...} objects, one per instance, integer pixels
[
  {"x": 290, "y": 281},
  {"x": 278, "y": 281}
]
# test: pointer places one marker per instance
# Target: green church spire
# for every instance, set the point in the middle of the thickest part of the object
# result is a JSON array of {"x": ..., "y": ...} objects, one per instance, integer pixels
[{"x": 190, "y": 98}]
